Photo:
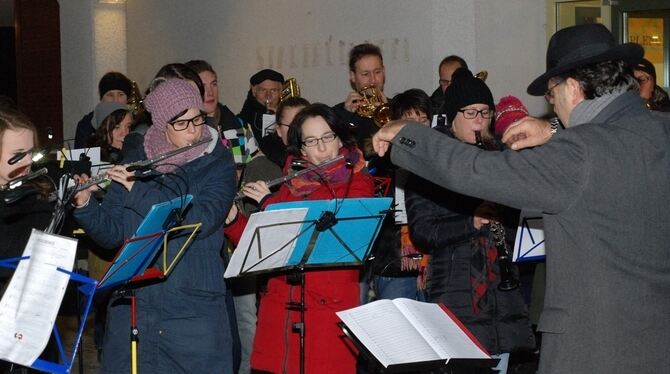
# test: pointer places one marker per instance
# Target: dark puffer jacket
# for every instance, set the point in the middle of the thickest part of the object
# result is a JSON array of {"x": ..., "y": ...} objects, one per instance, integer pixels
[{"x": 440, "y": 222}]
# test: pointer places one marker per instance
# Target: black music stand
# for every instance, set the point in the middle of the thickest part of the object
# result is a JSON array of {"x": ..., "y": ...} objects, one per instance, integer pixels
[{"x": 295, "y": 236}]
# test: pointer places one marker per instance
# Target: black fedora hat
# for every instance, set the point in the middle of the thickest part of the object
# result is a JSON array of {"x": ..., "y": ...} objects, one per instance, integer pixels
[{"x": 579, "y": 46}]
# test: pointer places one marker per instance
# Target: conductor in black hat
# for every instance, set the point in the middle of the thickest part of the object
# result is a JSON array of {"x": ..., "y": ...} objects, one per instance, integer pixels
[{"x": 602, "y": 187}]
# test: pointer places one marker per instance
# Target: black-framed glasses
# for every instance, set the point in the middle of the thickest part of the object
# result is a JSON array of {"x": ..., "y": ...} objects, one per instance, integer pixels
[
  {"x": 549, "y": 94},
  {"x": 326, "y": 138},
  {"x": 486, "y": 113},
  {"x": 182, "y": 124}
]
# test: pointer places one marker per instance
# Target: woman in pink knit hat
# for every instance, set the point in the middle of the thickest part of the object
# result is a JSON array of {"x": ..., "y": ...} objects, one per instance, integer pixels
[{"x": 182, "y": 319}]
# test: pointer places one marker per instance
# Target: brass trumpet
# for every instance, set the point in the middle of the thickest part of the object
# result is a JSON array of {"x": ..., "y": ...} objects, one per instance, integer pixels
[
  {"x": 290, "y": 89},
  {"x": 372, "y": 106},
  {"x": 482, "y": 75}
]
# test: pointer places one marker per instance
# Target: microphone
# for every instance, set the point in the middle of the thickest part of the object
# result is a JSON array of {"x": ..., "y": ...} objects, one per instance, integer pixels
[
  {"x": 14, "y": 183},
  {"x": 17, "y": 194},
  {"x": 148, "y": 164},
  {"x": 328, "y": 218},
  {"x": 37, "y": 154}
]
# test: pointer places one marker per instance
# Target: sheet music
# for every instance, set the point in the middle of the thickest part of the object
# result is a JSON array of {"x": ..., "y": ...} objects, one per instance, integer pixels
[
  {"x": 93, "y": 153},
  {"x": 403, "y": 331},
  {"x": 268, "y": 121},
  {"x": 387, "y": 333},
  {"x": 267, "y": 241},
  {"x": 442, "y": 333},
  {"x": 29, "y": 307},
  {"x": 401, "y": 176},
  {"x": 529, "y": 242}
]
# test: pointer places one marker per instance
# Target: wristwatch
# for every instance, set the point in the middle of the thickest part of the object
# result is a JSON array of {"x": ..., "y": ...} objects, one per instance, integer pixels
[{"x": 554, "y": 123}]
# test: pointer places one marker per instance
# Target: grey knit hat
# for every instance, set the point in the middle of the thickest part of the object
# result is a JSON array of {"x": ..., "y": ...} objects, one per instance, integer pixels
[{"x": 103, "y": 110}]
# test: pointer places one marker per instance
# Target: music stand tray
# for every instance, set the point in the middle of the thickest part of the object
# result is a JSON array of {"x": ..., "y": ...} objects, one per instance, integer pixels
[
  {"x": 303, "y": 234},
  {"x": 138, "y": 252}
]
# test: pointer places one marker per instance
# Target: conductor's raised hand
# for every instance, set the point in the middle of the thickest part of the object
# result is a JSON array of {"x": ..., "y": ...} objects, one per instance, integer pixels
[
  {"x": 526, "y": 133},
  {"x": 381, "y": 141}
]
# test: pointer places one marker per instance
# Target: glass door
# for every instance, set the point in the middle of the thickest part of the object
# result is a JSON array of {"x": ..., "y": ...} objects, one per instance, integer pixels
[{"x": 648, "y": 24}]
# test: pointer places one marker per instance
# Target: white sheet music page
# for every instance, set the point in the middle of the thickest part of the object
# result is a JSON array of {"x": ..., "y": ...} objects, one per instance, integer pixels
[
  {"x": 444, "y": 334},
  {"x": 387, "y": 333},
  {"x": 401, "y": 176},
  {"x": 267, "y": 241},
  {"x": 529, "y": 242},
  {"x": 29, "y": 307}
]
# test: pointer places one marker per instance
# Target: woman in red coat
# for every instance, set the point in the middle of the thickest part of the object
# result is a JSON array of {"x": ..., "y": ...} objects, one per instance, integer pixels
[{"x": 315, "y": 136}]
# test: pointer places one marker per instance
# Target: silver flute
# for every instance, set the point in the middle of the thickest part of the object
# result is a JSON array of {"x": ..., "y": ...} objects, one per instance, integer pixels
[{"x": 274, "y": 182}]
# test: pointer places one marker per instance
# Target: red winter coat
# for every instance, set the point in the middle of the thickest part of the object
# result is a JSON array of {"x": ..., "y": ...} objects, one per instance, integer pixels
[{"x": 276, "y": 347}]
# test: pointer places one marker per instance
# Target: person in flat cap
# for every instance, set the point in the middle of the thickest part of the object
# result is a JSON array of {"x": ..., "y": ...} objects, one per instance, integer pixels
[
  {"x": 602, "y": 187},
  {"x": 182, "y": 317},
  {"x": 113, "y": 87},
  {"x": 262, "y": 98},
  {"x": 652, "y": 93}
]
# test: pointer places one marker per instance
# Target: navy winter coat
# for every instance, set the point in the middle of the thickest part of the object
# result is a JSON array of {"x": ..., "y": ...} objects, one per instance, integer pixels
[{"x": 182, "y": 320}]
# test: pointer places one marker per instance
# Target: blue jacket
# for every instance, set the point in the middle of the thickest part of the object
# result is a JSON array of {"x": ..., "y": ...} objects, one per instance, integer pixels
[{"x": 182, "y": 320}]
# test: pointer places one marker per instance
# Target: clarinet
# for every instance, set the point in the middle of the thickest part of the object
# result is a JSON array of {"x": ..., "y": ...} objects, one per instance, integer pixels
[{"x": 508, "y": 279}]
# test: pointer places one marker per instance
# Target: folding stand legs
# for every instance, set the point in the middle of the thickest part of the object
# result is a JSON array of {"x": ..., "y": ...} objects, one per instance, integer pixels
[
  {"x": 134, "y": 334},
  {"x": 299, "y": 327}
]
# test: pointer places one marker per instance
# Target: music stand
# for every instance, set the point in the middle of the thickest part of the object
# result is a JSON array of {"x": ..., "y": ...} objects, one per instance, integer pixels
[
  {"x": 137, "y": 252},
  {"x": 296, "y": 236},
  {"x": 131, "y": 264},
  {"x": 87, "y": 288}
]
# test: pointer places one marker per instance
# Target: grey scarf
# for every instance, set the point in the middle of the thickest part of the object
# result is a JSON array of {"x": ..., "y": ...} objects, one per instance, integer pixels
[{"x": 587, "y": 110}]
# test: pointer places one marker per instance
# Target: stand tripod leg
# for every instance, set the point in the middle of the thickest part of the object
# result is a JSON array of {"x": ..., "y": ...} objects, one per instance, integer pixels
[
  {"x": 134, "y": 333},
  {"x": 299, "y": 327}
]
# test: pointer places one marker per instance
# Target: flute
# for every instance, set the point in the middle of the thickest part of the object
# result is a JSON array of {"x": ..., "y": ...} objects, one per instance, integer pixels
[
  {"x": 274, "y": 182},
  {"x": 137, "y": 165}
]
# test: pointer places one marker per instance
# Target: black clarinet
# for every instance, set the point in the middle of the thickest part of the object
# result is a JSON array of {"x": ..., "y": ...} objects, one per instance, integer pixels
[{"x": 508, "y": 279}]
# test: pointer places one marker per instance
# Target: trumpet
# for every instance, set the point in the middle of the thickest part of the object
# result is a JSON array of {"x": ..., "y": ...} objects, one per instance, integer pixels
[
  {"x": 372, "y": 106},
  {"x": 482, "y": 75},
  {"x": 290, "y": 89}
]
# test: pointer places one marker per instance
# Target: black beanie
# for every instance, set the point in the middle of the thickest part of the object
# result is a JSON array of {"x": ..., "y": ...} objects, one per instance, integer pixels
[
  {"x": 465, "y": 90},
  {"x": 115, "y": 81},
  {"x": 265, "y": 75}
]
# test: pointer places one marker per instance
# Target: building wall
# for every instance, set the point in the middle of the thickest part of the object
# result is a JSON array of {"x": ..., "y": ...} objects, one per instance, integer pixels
[{"x": 308, "y": 40}]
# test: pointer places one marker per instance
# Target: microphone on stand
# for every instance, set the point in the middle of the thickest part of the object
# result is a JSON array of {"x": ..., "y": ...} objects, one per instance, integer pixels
[
  {"x": 17, "y": 194},
  {"x": 328, "y": 218},
  {"x": 14, "y": 183}
]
